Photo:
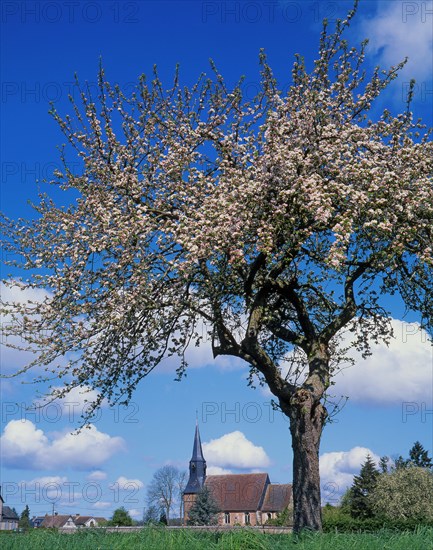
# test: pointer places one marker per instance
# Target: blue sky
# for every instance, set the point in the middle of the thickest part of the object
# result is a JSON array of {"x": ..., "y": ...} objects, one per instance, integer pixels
[{"x": 390, "y": 396}]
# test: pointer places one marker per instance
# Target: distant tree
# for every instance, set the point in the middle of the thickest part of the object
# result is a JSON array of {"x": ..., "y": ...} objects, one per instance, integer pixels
[
  {"x": 163, "y": 518},
  {"x": 151, "y": 515},
  {"x": 181, "y": 484},
  {"x": 165, "y": 489},
  {"x": 418, "y": 456},
  {"x": 24, "y": 521},
  {"x": 205, "y": 510},
  {"x": 400, "y": 463},
  {"x": 363, "y": 486},
  {"x": 384, "y": 464},
  {"x": 121, "y": 517},
  {"x": 405, "y": 493}
]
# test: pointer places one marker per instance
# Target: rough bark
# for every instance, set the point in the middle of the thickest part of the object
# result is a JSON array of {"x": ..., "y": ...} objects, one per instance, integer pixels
[{"x": 307, "y": 417}]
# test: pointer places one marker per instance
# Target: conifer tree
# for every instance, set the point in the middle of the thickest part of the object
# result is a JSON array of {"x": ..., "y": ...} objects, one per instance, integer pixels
[
  {"x": 363, "y": 486},
  {"x": 383, "y": 464},
  {"x": 24, "y": 521},
  {"x": 205, "y": 510},
  {"x": 418, "y": 456}
]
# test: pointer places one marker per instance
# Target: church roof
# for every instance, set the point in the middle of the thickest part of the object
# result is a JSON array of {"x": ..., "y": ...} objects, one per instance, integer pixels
[
  {"x": 197, "y": 451},
  {"x": 197, "y": 466},
  {"x": 277, "y": 497},
  {"x": 238, "y": 492},
  {"x": 8, "y": 513}
]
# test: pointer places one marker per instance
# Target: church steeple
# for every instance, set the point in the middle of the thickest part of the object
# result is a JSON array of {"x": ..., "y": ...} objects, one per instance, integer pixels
[{"x": 197, "y": 466}]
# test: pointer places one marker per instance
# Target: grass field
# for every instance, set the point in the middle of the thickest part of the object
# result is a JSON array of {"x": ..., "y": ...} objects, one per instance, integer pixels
[{"x": 160, "y": 539}]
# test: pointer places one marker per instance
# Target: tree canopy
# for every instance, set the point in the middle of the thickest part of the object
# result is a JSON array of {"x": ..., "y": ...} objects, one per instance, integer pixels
[
  {"x": 358, "y": 496},
  {"x": 267, "y": 227},
  {"x": 165, "y": 490},
  {"x": 204, "y": 510},
  {"x": 24, "y": 521},
  {"x": 121, "y": 517},
  {"x": 404, "y": 493}
]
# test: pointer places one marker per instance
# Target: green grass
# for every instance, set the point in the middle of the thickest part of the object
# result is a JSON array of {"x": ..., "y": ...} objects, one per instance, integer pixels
[{"x": 164, "y": 539}]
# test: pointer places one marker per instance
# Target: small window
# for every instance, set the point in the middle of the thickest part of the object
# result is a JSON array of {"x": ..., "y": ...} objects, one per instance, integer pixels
[
  {"x": 269, "y": 515},
  {"x": 247, "y": 518},
  {"x": 227, "y": 517}
]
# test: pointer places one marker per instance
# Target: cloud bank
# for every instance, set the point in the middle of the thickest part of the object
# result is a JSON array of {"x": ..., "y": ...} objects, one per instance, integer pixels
[
  {"x": 25, "y": 446},
  {"x": 234, "y": 450}
]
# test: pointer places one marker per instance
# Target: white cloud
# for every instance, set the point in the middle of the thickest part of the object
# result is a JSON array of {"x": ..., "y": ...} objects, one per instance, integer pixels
[
  {"x": 401, "y": 29},
  {"x": 234, "y": 450},
  {"x": 337, "y": 470},
  {"x": 201, "y": 356},
  {"x": 401, "y": 372},
  {"x": 102, "y": 505},
  {"x": 45, "y": 480},
  {"x": 79, "y": 397},
  {"x": 14, "y": 359},
  {"x": 75, "y": 405},
  {"x": 97, "y": 475},
  {"x": 217, "y": 471},
  {"x": 136, "y": 513},
  {"x": 125, "y": 484},
  {"x": 25, "y": 446}
]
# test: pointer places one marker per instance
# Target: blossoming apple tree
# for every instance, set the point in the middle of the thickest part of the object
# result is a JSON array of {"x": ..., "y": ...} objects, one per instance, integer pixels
[{"x": 265, "y": 227}]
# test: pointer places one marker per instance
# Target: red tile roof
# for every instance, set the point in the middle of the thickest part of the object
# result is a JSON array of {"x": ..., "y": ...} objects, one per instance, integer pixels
[
  {"x": 238, "y": 492},
  {"x": 277, "y": 498}
]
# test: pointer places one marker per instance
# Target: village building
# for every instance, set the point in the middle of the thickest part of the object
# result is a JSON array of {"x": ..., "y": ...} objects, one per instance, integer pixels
[
  {"x": 88, "y": 521},
  {"x": 58, "y": 521},
  {"x": 36, "y": 521},
  {"x": 244, "y": 499},
  {"x": 61, "y": 521},
  {"x": 8, "y": 517}
]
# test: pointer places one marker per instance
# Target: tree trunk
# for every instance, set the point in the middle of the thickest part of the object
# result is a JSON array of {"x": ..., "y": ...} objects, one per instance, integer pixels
[{"x": 307, "y": 418}]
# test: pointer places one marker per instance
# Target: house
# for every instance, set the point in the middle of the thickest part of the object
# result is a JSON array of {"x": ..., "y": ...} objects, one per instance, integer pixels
[
  {"x": 88, "y": 521},
  {"x": 8, "y": 517},
  {"x": 36, "y": 521},
  {"x": 58, "y": 521},
  {"x": 244, "y": 499}
]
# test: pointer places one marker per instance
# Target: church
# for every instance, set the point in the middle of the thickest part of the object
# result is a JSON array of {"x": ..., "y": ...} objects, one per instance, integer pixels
[{"x": 244, "y": 499}]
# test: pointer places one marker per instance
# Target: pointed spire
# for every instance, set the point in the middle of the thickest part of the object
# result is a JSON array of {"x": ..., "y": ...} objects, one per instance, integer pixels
[
  {"x": 197, "y": 465},
  {"x": 197, "y": 451}
]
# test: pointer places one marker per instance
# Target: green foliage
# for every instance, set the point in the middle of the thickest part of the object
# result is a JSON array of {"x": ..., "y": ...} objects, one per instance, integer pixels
[
  {"x": 384, "y": 464},
  {"x": 24, "y": 521},
  {"x": 205, "y": 510},
  {"x": 153, "y": 538},
  {"x": 363, "y": 485},
  {"x": 342, "y": 523},
  {"x": 285, "y": 519},
  {"x": 163, "y": 518},
  {"x": 121, "y": 517},
  {"x": 404, "y": 494},
  {"x": 335, "y": 513},
  {"x": 151, "y": 515},
  {"x": 418, "y": 456}
]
